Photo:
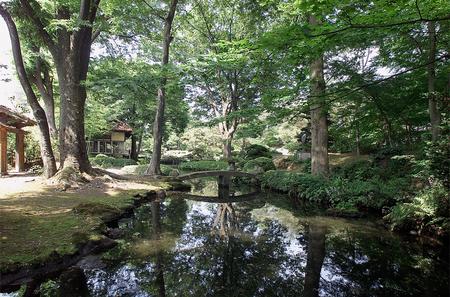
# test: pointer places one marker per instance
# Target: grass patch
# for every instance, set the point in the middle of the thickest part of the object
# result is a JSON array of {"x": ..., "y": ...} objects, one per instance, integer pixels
[{"x": 36, "y": 225}]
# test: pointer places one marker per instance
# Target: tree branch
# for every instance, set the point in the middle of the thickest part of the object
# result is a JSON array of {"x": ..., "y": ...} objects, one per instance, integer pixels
[
  {"x": 378, "y": 26},
  {"x": 39, "y": 26}
]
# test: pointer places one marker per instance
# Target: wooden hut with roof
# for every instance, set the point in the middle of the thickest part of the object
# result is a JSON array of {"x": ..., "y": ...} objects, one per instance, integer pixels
[
  {"x": 112, "y": 143},
  {"x": 12, "y": 122}
]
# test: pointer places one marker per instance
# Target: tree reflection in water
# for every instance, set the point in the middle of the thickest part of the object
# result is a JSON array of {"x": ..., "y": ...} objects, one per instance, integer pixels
[
  {"x": 156, "y": 224},
  {"x": 223, "y": 249},
  {"x": 315, "y": 256}
]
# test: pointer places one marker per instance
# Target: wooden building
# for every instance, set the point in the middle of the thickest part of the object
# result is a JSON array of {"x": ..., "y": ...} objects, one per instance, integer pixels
[
  {"x": 112, "y": 143},
  {"x": 12, "y": 122}
]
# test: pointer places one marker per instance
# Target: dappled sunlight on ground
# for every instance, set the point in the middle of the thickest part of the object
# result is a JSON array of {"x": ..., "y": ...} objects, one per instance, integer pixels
[{"x": 37, "y": 219}]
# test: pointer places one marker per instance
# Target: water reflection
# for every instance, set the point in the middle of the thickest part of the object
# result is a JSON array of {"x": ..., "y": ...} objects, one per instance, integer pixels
[
  {"x": 315, "y": 256},
  {"x": 261, "y": 247},
  {"x": 225, "y": 223}
]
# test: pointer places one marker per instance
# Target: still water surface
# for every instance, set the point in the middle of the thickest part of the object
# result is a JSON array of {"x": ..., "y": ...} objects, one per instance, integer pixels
[{"x": 265, "y": 245}]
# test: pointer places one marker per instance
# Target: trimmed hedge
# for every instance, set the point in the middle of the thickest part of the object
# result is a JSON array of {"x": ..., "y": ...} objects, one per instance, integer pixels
[
  {"x": 140, "y": 169},
  {"x": 203, "y": 165},
  {"x": 105, "y": 161},
  {"x": 258, "y": 164},
  {"x": 255, "y": 151}
]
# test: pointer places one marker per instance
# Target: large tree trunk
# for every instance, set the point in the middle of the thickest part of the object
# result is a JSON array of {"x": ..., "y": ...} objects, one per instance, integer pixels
[
  {"x": 314, "y": 262},
  {"x": 47, "y": 155},
  {"x": 155, "y": 163},
  {"x": 319, "y": 125},
  {"x": 435, "y": 117},
  {"x": 71, "y": 53}
]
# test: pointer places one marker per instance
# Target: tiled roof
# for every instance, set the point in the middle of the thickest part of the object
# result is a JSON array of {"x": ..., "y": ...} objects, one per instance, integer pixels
[{"x": 122, "y": 127}]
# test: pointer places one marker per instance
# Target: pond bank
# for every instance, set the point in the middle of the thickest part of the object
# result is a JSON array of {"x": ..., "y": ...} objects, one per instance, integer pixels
[
  {"x": 22, "y": 272},
  {"x": 43, "y": 228}
]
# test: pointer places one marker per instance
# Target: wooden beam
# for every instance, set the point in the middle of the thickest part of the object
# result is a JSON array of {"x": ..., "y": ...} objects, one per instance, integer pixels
[
  {"x": 10, "y": 128},
  {"x": 3, "y": 157},
  {"x": 20, "y": 152}
]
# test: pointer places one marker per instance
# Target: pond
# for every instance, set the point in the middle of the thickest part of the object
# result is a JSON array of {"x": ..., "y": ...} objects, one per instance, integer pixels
[{"x": 264, "y": 245}]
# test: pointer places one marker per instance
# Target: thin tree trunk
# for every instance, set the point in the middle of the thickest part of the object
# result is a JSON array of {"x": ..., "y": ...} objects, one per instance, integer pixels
[
  {"x": 227, "y": 147},
  {"x": 47, "y": 155},
  {"x": 138, "y": 151},
  {"x": 319, "y": 125},
  {"x": 358, "y": 150},
  {"x": 435, "y": 117},
  {"x": 45, "y": 88},
  {"x": 134, "y": 155},
  {"x": 155, "y": 163}
]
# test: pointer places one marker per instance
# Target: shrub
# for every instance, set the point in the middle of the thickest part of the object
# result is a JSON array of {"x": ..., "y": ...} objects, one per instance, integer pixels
[
  {"x": 439, "y": 161},
  {"x": 255, "y": 151},
  {"x": 140, "y": 169},
  {"x": 359, "y": 169},
  {"x": 338, "y": 192},
  {"x": 261, "y": 164},
  {"x": 204, "y": 165},
  {"x": 105, "y": 161},
  {"x": 429, "y": 206},
  {"x": 304, "y": 186}
]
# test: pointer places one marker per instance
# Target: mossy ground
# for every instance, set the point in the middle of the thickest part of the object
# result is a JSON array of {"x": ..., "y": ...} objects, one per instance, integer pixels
[{"x": 40, "y": 221}]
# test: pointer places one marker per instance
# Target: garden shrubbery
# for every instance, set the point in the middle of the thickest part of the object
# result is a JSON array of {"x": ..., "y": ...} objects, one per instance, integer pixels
[
  {"x": 254, "y": 151},
  {"x": 140, "y": 169},
  {"x": 428, "y": 209},
  {"x": 204, "y": 165},
  {"x": 338, "y": 192},
  {"x": 105, "y": 161},
  {"x": 259, "y": 165}
]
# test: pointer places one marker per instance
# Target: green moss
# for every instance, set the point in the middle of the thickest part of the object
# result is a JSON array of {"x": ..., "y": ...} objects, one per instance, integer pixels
[
  {"x": 103, "y": 211},
  {"x": 36, "y": 226}
]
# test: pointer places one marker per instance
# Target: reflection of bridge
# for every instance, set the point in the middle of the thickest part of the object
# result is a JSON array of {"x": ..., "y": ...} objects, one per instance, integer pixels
[{"x": 220, "y": 173}]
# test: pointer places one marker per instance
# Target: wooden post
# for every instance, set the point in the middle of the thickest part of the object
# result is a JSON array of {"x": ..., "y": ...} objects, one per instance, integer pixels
[
  {"x": 3, "y": 157},
  {"x": 20, "y": 154}
]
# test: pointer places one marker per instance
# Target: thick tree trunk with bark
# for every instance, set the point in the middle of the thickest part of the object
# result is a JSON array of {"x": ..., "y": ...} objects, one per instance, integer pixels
[
  {"x": 71, "y": 53},
  {"x": 155, "y": 163},
  {"x": 319, "y": 124},
  {"x": 47, "y": 155},
  {"x": 435, "y": 116}
]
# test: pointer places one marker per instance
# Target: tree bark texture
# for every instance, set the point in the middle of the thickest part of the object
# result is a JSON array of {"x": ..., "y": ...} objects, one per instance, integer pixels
[
  {"x": 435, "y": 117},
  {"x": 44, "y": 84},
  {"x": 47, "y": 155},
  {"x": 70, "y": 50},
  {"x": 318, "y": 112},
  {"x": 158, "y": 125}
]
